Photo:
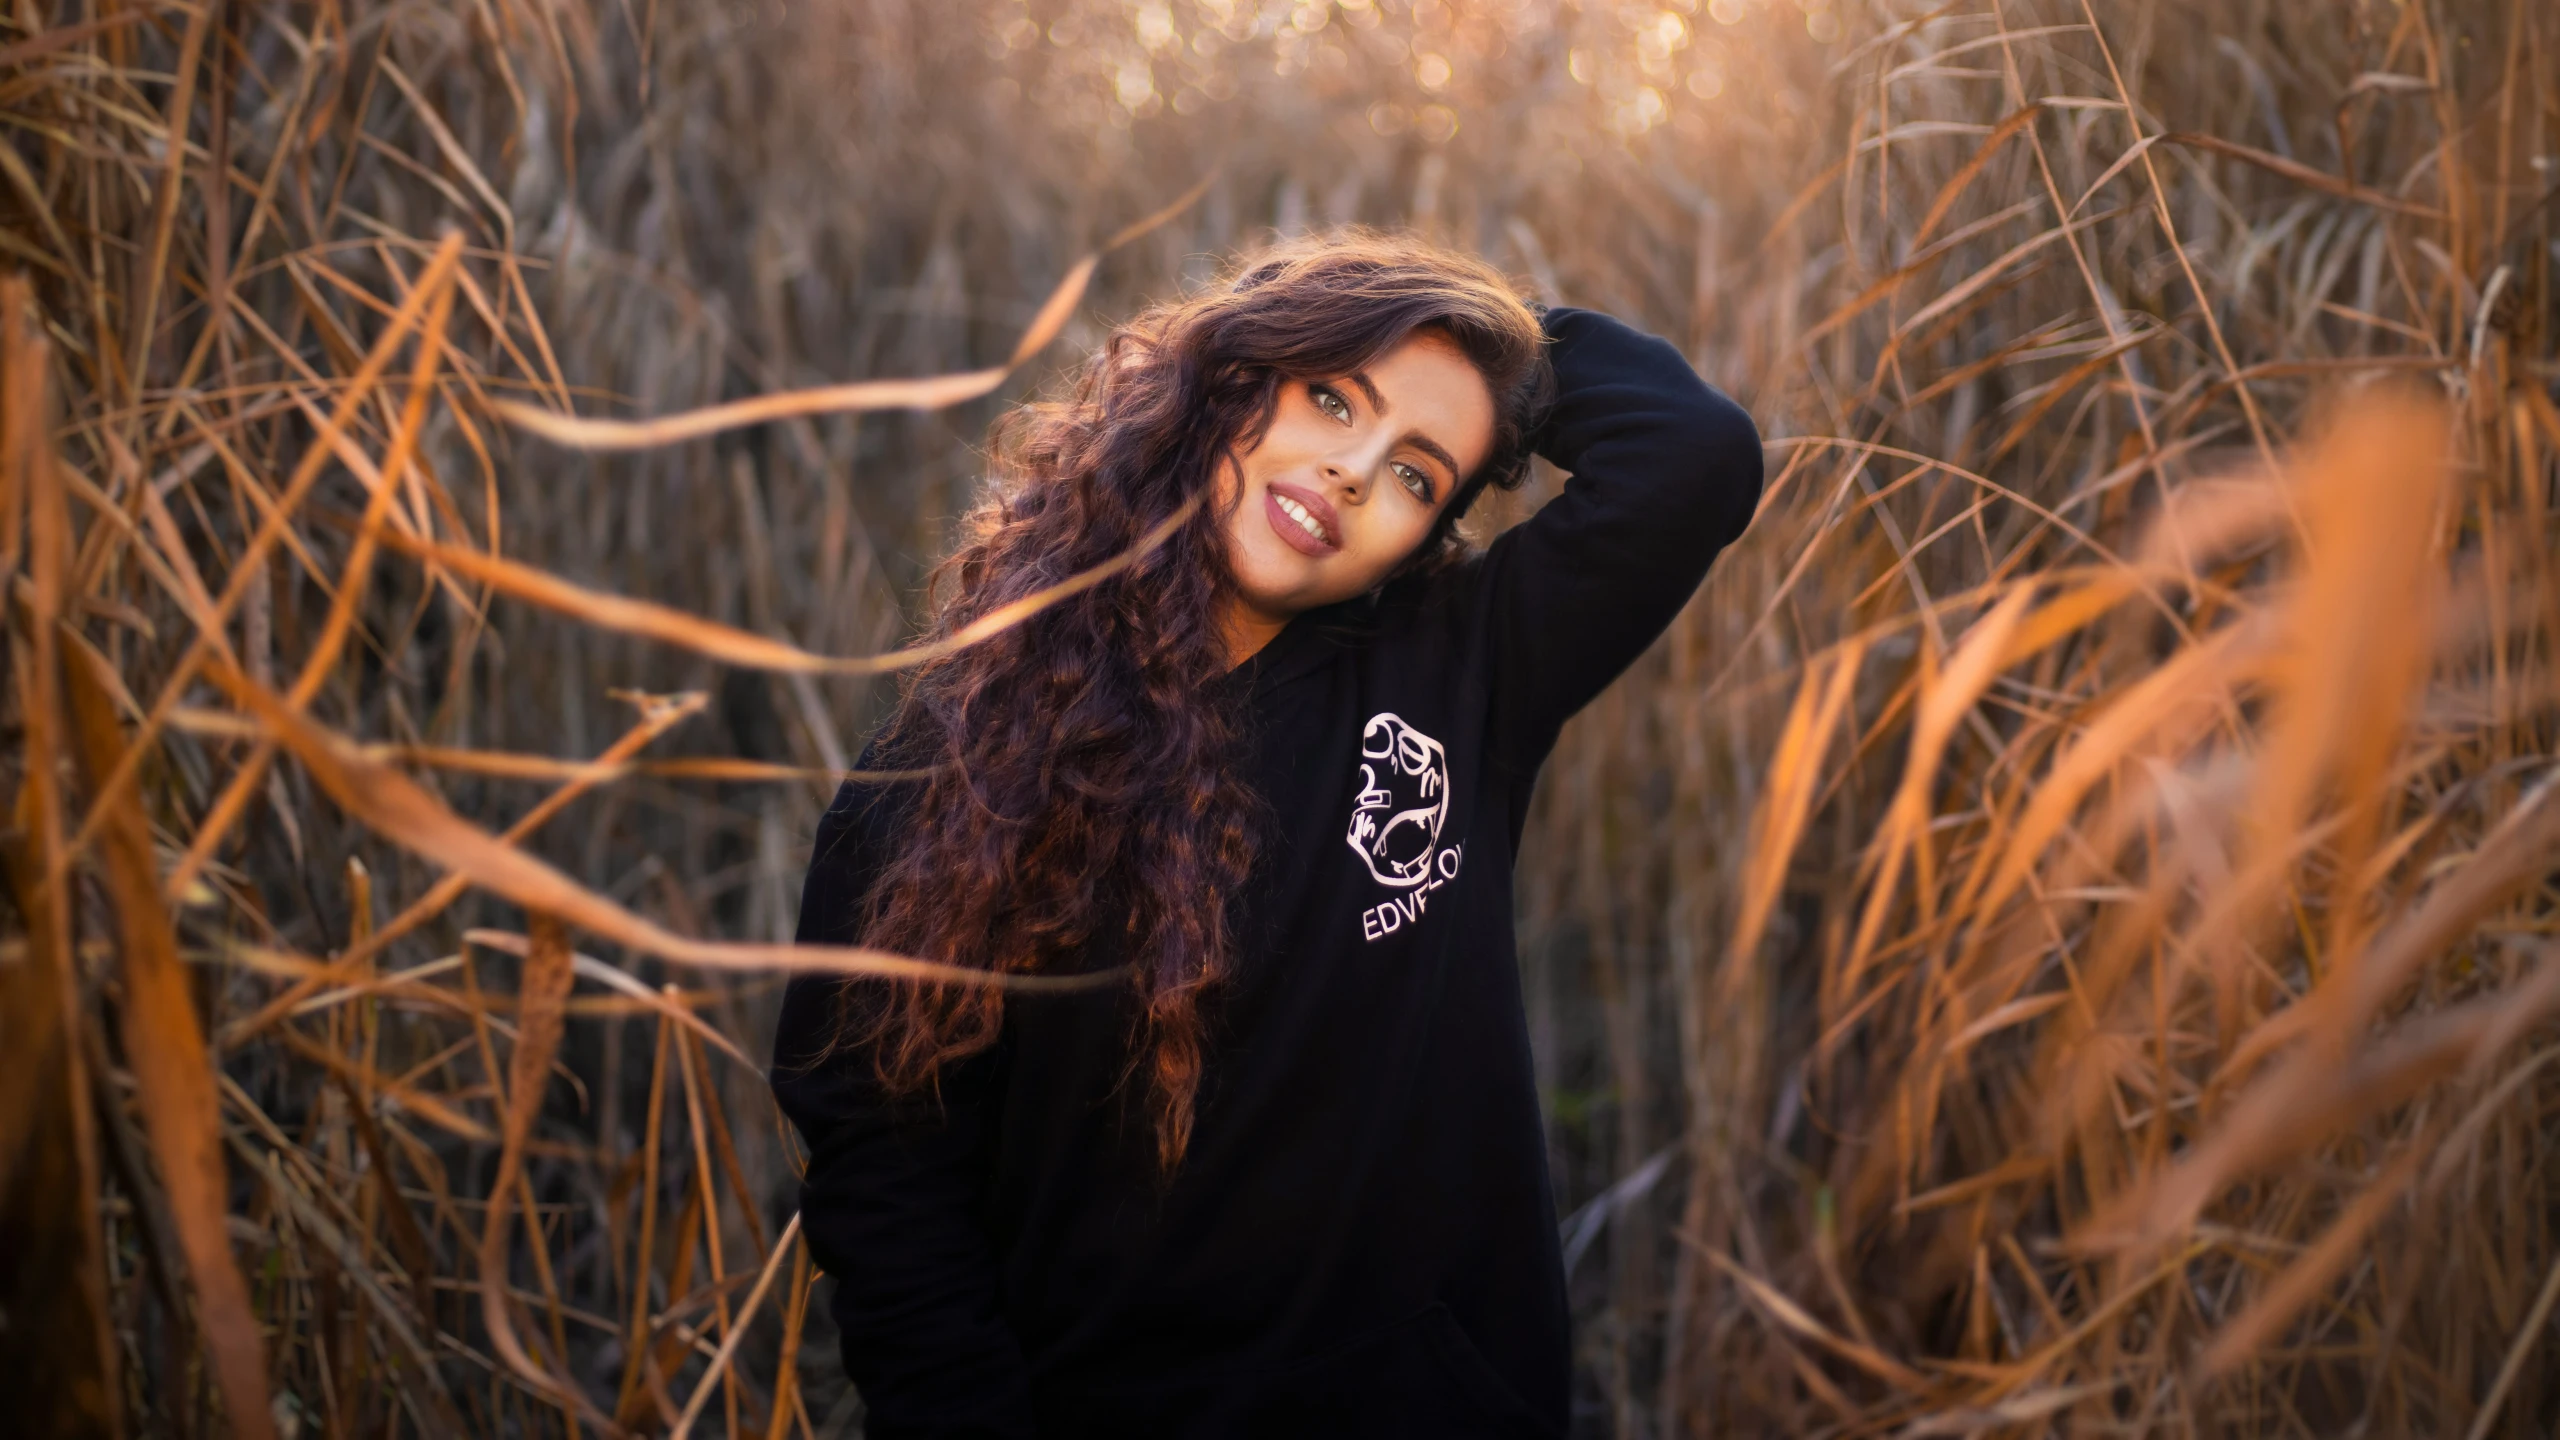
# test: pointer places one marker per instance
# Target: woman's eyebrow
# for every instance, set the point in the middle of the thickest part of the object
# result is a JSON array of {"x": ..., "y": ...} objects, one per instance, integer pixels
[
  {"x": 1432, "y": 448},
  {"x": 1369, "y": 388}
]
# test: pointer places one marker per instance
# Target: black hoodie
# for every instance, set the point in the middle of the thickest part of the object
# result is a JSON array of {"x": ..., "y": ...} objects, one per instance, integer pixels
[{"x": 1361, "y": 1240}]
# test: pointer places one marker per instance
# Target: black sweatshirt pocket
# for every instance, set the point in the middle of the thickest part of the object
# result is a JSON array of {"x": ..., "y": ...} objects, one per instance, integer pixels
[{"x": 1420, "y": 1378}]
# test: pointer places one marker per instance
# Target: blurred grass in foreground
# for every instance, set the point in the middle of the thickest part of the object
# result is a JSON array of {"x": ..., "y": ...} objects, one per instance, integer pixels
[{"x": 2058, "y": 938}]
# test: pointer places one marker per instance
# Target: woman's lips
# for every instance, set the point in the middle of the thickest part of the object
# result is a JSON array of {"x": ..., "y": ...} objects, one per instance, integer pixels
[{"x": 1287, "y": 527}]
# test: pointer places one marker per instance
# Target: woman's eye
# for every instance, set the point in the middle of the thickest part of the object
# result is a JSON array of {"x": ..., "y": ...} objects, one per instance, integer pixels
[
  {"x": 1415, "y": 481},
  {"x": 1331, "y": 402}
]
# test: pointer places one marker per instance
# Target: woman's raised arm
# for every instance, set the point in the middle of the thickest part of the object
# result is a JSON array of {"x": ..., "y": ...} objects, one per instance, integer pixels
[
  {"x": 1665, "y": 471},
  {"x": 891, "y": 1201}
]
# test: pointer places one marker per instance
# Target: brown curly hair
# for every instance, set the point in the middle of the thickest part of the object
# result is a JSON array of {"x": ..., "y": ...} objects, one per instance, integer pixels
[{"x": 1082, "y": 798}]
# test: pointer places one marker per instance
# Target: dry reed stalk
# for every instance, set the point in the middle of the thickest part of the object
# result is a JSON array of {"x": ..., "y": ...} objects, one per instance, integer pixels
[
  {"x": 49, "y": 1172},
  {"x": 164, "y": 1043}
]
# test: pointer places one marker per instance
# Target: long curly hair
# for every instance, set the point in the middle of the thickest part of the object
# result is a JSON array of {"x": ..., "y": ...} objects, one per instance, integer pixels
[{"x": 1082, "y": 805}]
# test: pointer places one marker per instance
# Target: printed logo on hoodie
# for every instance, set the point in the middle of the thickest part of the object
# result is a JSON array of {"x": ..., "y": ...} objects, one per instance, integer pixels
[{"x": 1396, "y": 819}]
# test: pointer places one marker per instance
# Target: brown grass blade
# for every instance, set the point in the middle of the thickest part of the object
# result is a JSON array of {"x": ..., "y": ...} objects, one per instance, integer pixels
[
  {"x": 1902, "y": 839},
  {"x": 2518, "y": 1355},
  {"x": 705, "y": 1207},
  {"x": 164, "y": 218},
  {"x": 1774, "y": 1303},
  {"x": 546, "y": 767},
  {"x": 2186, "y": 684},
  {"x": 2303, "y": 1281},
  {"x": 938, "y": 392},
  {"x": 786, "y": 1381},
  {"x": 165, "y": 1047},
  {"x": 2313, "y": 1094},
  {"x": 2360, "y": 626},
  {"x": 63, "y": 37},
  {"x": 733, "y": 646},
  {"x": 1794, "y": 779},
  {"x": 396, "y": 808},
  {"x": 2300, "y": 173},
  {"x": 545, "y": 985},
  {"x": 64, "y": 1377},
  {"x": 635, "y": 1340},
  {"x": 606, "y": 975},
  {"x": 935, "y": 392},
  {"x": 658, "y": 714},
  {"x": 391, "y": 1093},
  {"x": 787, "y": 1245}
]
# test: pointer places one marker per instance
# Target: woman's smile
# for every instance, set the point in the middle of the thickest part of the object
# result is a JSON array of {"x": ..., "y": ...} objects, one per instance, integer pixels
[{"x": 1302, "y": 518}]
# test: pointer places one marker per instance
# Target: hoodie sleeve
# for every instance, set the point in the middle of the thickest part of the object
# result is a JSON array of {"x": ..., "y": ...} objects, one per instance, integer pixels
[
  {"x": 891, "y": 1199},
  {"x": 1665, "y": 472}
]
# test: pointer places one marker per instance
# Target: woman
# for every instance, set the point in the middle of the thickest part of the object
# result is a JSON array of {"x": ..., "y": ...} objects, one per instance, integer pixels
[{"x": 1285, "y": 1175}]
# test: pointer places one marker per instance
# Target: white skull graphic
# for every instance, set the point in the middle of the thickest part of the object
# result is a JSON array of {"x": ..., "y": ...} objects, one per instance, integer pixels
[{"x": 1404, "y": 797}]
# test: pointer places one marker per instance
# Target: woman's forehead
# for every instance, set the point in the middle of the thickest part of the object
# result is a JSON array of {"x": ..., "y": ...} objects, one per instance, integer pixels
[{"x": 1426, "y": 382}]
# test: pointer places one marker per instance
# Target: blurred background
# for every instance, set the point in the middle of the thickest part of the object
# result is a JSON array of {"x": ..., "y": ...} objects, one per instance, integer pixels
[{"x": 2056, "y": 940}]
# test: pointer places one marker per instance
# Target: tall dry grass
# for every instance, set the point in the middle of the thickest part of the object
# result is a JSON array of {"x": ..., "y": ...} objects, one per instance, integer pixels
[{"x": 2054, "y": 941}]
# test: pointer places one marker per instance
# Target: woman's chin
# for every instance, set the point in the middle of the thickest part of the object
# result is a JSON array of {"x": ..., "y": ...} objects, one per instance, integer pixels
[
  {"x": 1280, "y": 600},
  {"x": 1277, "y": 583}
]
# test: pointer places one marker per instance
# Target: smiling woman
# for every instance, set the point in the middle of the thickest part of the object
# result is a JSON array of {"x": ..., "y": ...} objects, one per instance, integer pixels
[{"x": 1291, "y": 1178}]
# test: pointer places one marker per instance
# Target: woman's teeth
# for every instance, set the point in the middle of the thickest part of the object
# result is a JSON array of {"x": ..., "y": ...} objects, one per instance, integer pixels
[{"x": 1306, "y": 519}]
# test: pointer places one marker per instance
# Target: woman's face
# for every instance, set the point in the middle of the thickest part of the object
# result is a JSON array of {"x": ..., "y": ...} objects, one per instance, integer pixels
[{"x": 1348, "y": 479}]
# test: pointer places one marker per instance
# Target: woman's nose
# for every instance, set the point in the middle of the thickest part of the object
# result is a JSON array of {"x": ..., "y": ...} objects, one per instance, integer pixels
[{"x": 1342, "y": 474}]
